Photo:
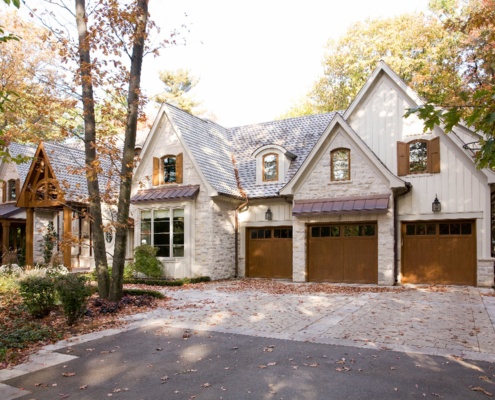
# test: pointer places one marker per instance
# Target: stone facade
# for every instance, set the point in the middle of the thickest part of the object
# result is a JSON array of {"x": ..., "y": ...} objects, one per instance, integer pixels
[
  {"x": 365, "y": 181},
  {"x": 209, "y": 224}
]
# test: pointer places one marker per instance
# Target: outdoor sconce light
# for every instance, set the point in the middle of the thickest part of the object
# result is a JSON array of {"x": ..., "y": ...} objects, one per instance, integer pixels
[
  {"x": 268, "y": 214},
  {"x": 436, "y": 206}
]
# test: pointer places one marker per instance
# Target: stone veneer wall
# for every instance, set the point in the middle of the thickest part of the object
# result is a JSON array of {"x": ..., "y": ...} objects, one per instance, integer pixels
[
  {"x": 41, "y": 220},
  {"x": 365, "y": 181},
  {"x": 212, "y": 226},
  {"x": 486, "y": 272}
]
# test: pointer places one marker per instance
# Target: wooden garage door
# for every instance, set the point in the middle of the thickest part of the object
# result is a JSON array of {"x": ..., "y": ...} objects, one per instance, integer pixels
[
  {"x": 346, "y": 253},
  {"x": 269, "y": 252},
  {"x": 441, "y": 252}
]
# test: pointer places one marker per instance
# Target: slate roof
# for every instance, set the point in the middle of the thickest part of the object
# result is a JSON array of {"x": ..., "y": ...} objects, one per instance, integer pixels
[
  {"x": 213, "y": 147},
  {"x": 66, "y": 161},
  {"x": 297, "y": 135},
  {"x": 17, "y": 149}
]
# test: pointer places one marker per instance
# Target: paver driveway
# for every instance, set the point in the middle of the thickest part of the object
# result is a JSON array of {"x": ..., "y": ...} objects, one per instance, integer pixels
[{"x": 432, "y": 320}]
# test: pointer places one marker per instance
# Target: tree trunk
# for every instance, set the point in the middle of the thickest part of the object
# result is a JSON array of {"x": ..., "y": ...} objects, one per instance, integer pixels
[
  {"x": 85, "y": 68},
  {"x": 128, "y": 152}
]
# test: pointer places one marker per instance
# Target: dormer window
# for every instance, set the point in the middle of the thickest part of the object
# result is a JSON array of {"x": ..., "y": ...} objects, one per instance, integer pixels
[
  {"x": 270, "y": 167},
  {"x": 340, "y": 160},
  {"x": 167, "y": 169},
  {"x": 12, "y": 190}
]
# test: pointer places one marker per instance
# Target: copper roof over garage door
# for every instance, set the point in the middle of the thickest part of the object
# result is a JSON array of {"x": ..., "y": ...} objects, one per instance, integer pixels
[
  {"x": 376, "y": 203},
  {"x": 166, "y": 194}
]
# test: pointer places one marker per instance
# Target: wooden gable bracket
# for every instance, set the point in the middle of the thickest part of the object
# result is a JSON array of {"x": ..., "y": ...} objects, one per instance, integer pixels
[{"x": 41, "y": 188}]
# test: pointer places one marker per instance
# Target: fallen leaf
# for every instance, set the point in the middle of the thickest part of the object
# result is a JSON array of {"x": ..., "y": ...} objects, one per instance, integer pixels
[
  {"x": 83, "y": 387},
  {"x": 485, "y": 378},
  {"x": 205, "y": 385},
  {"x": 67, "y": 374},
  {"x": 272, "y": 364},
  {"x": 480, "y": 389}
]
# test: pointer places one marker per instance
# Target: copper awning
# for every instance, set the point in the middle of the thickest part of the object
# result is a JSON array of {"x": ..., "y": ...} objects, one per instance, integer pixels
[
  {"x": 166, "y": 194},
  {"x": 375, "y": 203}
]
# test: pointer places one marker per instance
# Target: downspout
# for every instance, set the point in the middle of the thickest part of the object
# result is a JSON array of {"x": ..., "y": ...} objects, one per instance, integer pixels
[
  {"x": 396, "y": 223},
  {"x": 236, "y": 237},
  {"x": 236, "y": 218}
]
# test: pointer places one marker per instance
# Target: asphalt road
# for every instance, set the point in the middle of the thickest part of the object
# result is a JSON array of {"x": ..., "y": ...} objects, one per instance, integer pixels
[{"x": 164, "y": 363}]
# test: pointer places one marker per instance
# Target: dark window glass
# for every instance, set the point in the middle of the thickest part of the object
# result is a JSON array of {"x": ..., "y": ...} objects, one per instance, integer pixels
[
  {"x": 466, "y": 229},
  {"x": 268, "y": 233},
  {"x": 12, "y": 195},
  {"x": 420, "y": 229},
  {"x": 289, "y": 233},
  {"x": 254, "y": 234},
  {"x": 410, "y": 230},
  {"x": 169, "y": 171},
  {"x": 335, "y": 231},
  {"x": 418, "y": 157},
  {"x": 455, "y": 229},
  {"x": 431, "y": 229},
  {"x": 261, "y": 233},
  {"x": 277, "y": 233},
  {"x": 367, "y": 230},
  {"x": 444, "y": 229},
  {"x": 325, "y": 231},
  {"x": 351, "y": 230},
  {"x": 178, "y": 233},
  {"x": 315, "y": 231}
]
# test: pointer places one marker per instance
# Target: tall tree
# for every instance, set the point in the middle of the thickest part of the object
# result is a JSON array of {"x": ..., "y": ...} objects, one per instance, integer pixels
[
  {"x": 178, "y": 83},
  {"x": 103, "y": 43},
  {"x": 422, "y": 54},
  {"x": 30, "y": 79},
  {"x": 474, "y": 102}
]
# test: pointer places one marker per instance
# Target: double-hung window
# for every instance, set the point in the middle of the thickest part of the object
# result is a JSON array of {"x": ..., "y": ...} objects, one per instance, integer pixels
[{"x": 164, "y": 229}]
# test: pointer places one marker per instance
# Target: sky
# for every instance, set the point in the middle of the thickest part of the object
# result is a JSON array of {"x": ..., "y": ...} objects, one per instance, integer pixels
[{"x": 255, "y": 59}]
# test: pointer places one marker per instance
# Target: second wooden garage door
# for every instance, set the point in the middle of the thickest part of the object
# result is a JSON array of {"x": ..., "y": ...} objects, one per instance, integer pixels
[
  {"x": 346, "y": 253},
  {"x": 269, "y": 252},
  {"x": 441, "y": 252}
]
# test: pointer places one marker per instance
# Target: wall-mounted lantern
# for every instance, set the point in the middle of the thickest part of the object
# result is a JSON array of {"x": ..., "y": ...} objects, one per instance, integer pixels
[
  {"x": 436, "y": 206},
  {"x": 268, "y": 214}
]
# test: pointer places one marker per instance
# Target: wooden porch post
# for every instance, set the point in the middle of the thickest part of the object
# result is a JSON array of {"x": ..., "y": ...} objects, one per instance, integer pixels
[
  {"x": 67, "y": 248},
  {"x": 5, "y": 240},
  {"x": 29, "y": 236}
]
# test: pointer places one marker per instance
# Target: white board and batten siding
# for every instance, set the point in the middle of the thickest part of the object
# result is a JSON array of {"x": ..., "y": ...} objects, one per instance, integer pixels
[{"x": 462, "y": 189}]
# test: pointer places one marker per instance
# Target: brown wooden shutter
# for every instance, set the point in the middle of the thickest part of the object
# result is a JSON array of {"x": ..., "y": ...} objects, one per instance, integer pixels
[
  {"x": 434, "y": 156},
  {"x": 178, "y": 168},
  {"x": 4, "y": 191},
  {"x": 402, "y": 158},
  {"x": 17, "y": 188},
  {"x": 156, "y": 171}
]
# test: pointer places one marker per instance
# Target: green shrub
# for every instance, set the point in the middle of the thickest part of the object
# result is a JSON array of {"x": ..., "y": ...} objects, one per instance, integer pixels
[
  {"x": 38, "y": 294},
  {"x": 146, "y": 262},
  {"x": 129, "y": 271},
  {"x": 139, "y": 292},
  {"x": 167, "y": 282},
  {"x": 74, "y": 293}
]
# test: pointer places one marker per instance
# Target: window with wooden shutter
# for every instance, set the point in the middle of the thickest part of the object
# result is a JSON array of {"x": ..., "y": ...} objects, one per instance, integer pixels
[
  {"x": 418, "y": 156},
  {"x": 156, "y": 171},
  {"x": 179, "y": 168},
  {"x": 402, "y": 158},
  {"x": 434, "y": 155},
  {"x": 4, "y": 191}
]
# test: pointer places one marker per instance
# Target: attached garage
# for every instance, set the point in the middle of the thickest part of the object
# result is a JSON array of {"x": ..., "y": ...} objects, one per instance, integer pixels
[
  {"x": 346, "y": 253},
  {"x": 269, "y": 252},
  {"x": 442, "y": 252}
]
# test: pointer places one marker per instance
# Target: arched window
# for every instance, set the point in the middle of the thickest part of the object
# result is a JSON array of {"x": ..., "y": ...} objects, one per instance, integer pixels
[
  {"x": 167, "y": 169},
  {"x": 418, "y": 157},
  {"x": 270, "y": 167},
  {"x": 340, "y": 164}
]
